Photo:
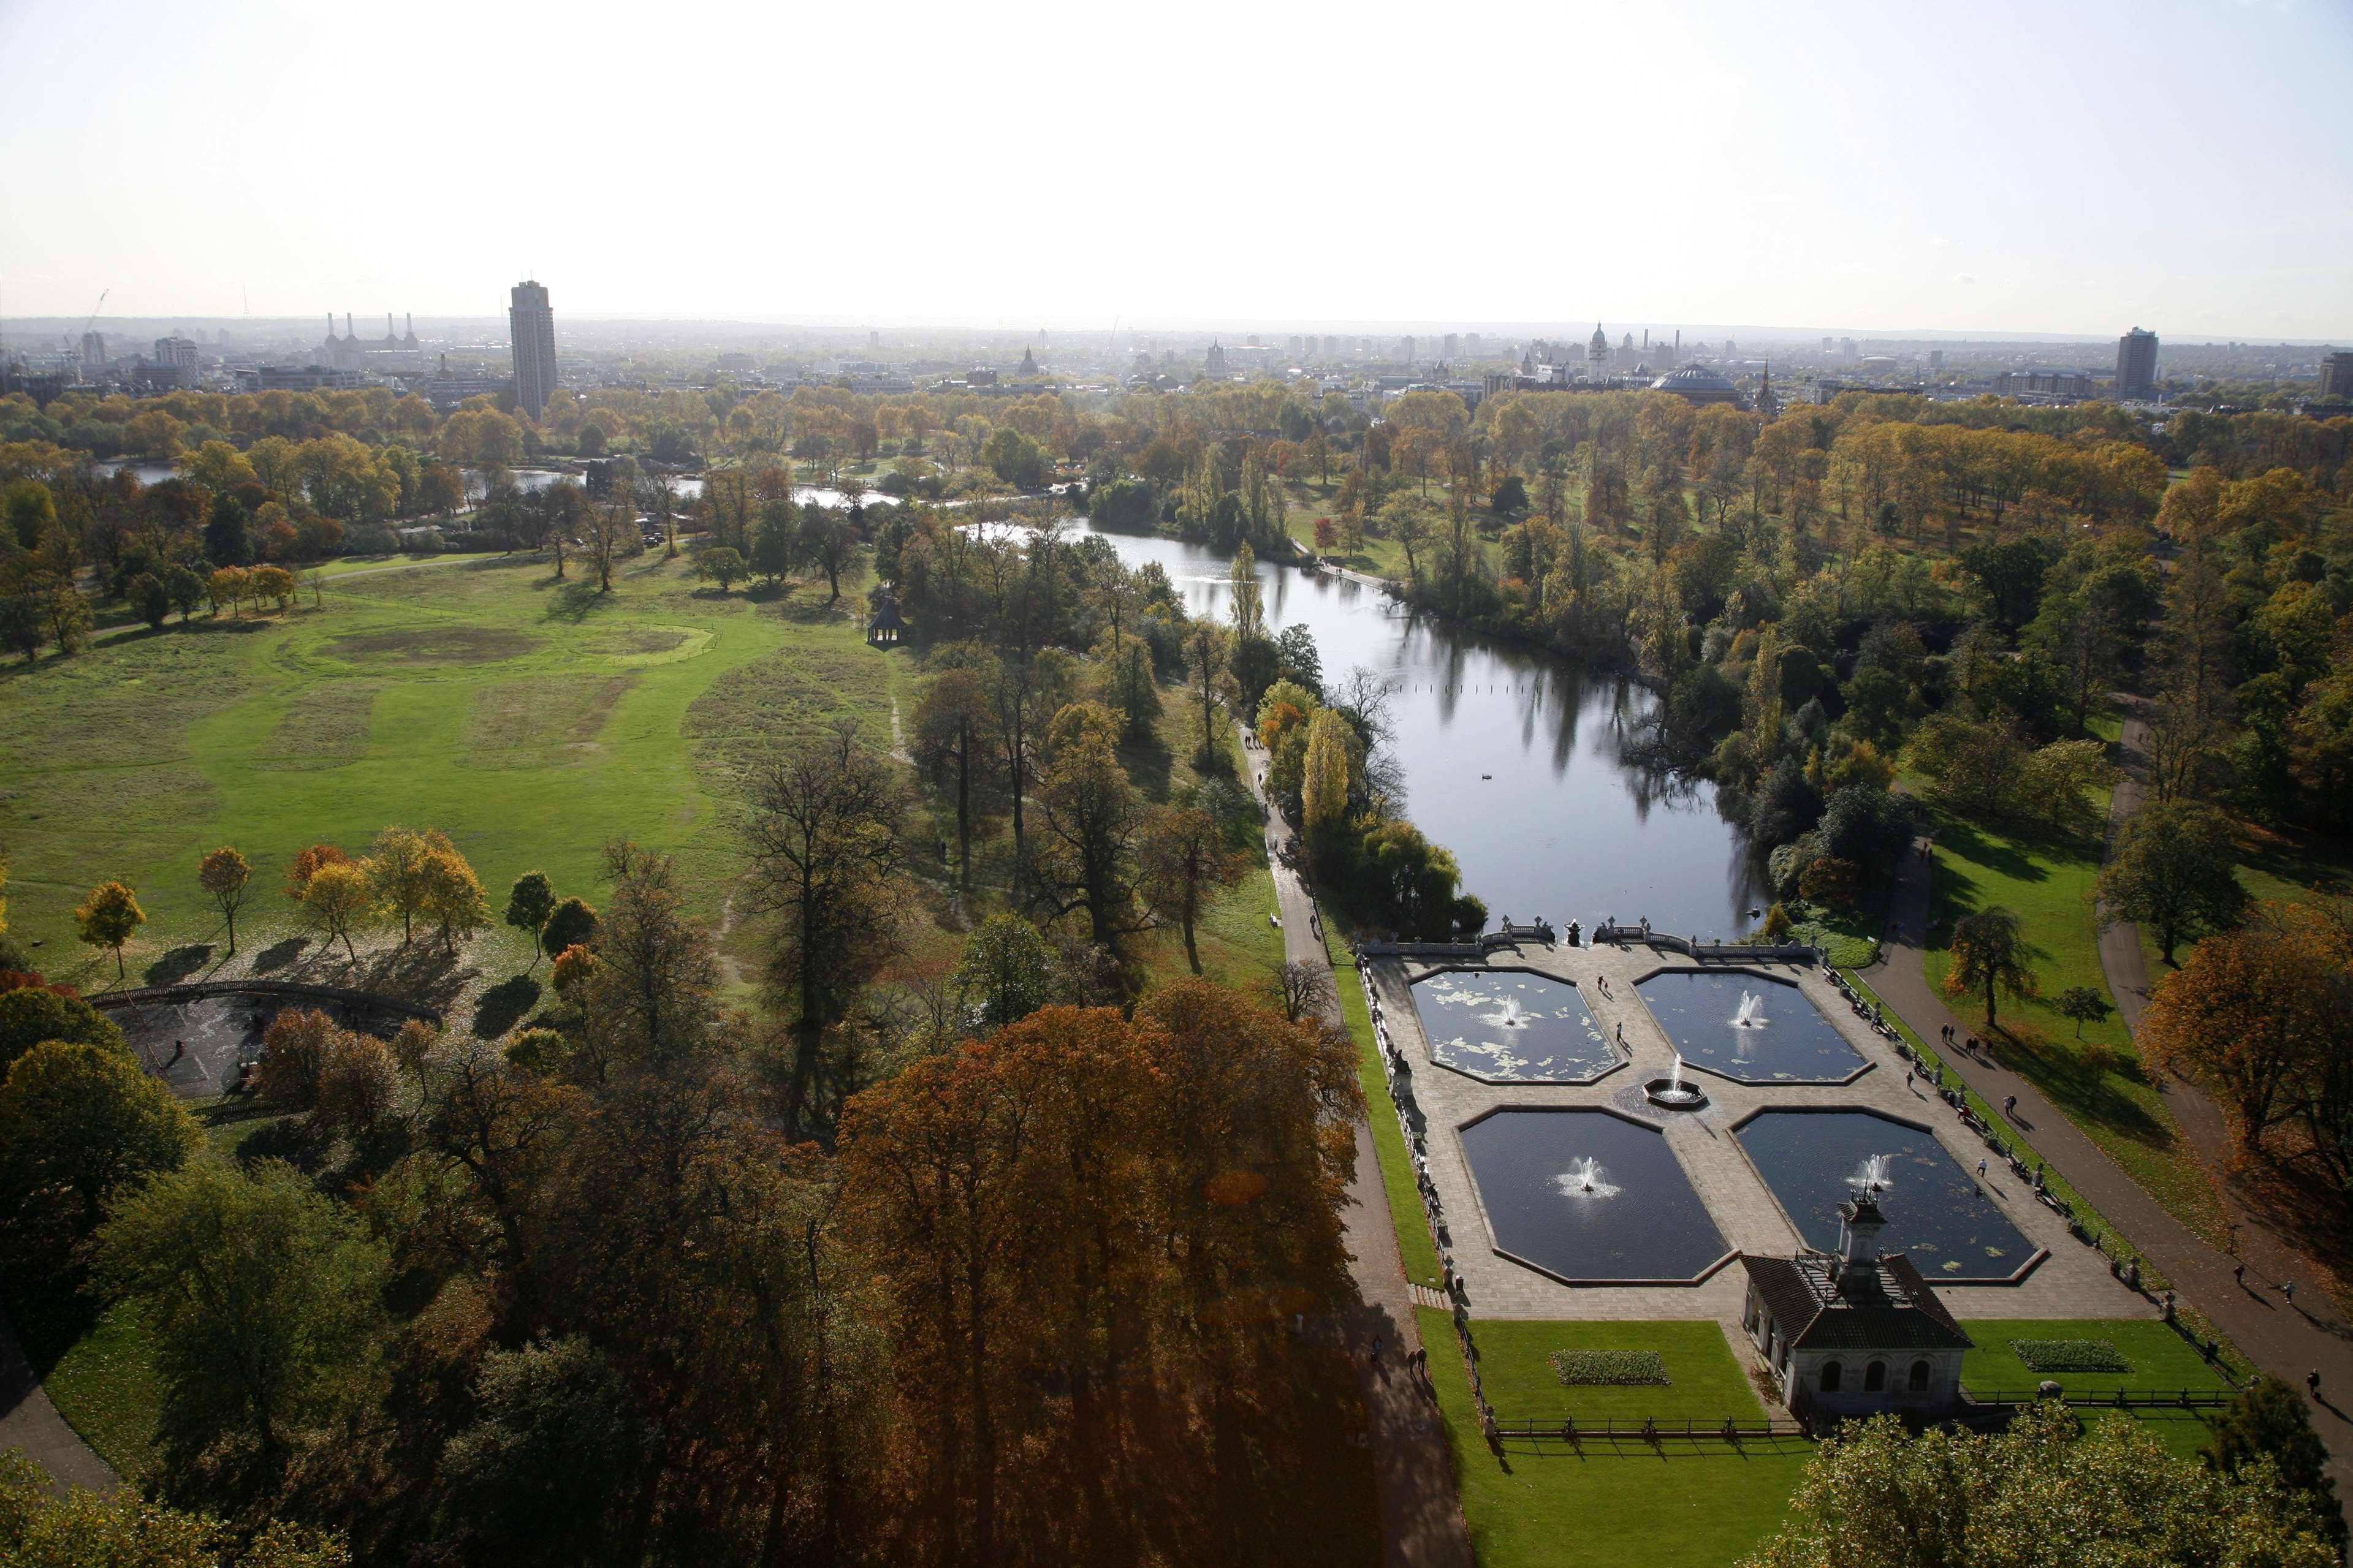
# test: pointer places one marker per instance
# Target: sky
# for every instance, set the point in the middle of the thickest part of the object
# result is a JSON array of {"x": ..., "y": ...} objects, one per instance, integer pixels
[{"x": 2049, "y": 166}]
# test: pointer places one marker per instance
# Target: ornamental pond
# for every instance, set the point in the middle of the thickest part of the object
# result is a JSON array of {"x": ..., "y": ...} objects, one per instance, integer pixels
[
  {"x": 1815, "y": 1160},
  {"x": 1510, "y": 1026},
  {"x": 1589, "y": 1197},
  {"x": 1748, "y": 1028}
]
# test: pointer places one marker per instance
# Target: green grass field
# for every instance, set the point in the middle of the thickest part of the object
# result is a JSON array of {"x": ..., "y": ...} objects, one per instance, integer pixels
[
  {"x": 2162, "y": 1360},
  {"x": 532, "y": 719},
  {"x": 1415, "y": 1249},
  {"x": 1609, "y": 1503},
  {"x": 2098, "y": 1081}
]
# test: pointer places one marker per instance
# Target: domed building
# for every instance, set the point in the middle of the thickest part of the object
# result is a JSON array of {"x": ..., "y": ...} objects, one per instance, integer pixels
[{"x": 1698, "y": 384}]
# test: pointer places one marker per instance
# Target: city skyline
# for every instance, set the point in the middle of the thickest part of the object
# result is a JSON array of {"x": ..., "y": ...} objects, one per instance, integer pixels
[{"x": 1970, "y": 186}]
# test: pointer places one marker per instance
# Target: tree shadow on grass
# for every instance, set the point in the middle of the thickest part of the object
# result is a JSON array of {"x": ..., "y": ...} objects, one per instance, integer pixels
[
  {"x": 279, "y": 955},
  {"x": 575, "y": 601},
  {"x": 1149, "y": 764},
  {"x": 2087, "y": 1085},
  {"x": 503, "y": 1006},
  {"x": 179, "y": 963},
  {"x": 1967, "y": 842}
]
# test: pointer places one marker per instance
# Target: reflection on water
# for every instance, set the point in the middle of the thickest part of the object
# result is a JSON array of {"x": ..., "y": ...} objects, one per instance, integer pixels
[
  {"x": 1935, "y": 1210},
  {"x": 1565, "y": 826}
]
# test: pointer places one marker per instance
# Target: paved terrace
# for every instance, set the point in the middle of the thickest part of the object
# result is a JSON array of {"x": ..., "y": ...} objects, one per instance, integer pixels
[{"x": 2072, "y": 1281}]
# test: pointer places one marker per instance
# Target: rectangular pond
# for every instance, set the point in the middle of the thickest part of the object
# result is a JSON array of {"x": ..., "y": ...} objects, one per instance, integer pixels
[
  {"x": 1589, "y": 1197},
  {"x": 1815, "y": 1160},
  {"x": 1748, "y": 1028},
  {"x": 1510, "y": 1026}
]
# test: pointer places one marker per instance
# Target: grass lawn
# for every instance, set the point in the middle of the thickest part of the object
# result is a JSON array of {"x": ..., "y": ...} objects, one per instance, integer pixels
[
  {"x": 531, "y": 718},
  {"x": 2160, "y": 1358},
  {"x": 1615, "y": 1504},
  {"x": 1419, "y": 1253},
  {"x": 2099, "y": 1080}
]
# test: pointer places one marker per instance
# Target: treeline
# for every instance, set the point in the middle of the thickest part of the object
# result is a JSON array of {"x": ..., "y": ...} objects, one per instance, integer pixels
[{"x": 596, "y": 1297}]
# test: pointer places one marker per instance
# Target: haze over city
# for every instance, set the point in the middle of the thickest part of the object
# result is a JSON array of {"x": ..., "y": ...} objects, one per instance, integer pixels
[{"x": 2007, "y": 169}]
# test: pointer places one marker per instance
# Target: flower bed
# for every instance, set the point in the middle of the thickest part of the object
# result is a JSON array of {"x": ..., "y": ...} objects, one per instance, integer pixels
[
  {"x": 2070, "y": 1356},
  {"x": 1608, "y": 1367}
]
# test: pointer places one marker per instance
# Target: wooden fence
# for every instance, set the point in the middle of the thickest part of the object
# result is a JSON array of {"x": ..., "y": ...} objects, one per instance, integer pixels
[
  {"x": 1568, "y": 1429},
  {"x": 2118, "y": 1399}
]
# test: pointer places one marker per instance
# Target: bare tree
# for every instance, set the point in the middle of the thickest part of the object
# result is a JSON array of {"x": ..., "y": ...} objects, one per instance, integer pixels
[{"x": 1305, "y": 987}]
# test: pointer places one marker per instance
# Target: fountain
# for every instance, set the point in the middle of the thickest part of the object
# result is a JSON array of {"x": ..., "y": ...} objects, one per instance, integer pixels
[
  {"x": 1671, "y": 1093},
  {"x": 1752, "y": 1011},
  {"x": 1509, "y": 1017},
  {"x": 1873, "y": 1175},
  {"x": 1584, "y": 1179}
]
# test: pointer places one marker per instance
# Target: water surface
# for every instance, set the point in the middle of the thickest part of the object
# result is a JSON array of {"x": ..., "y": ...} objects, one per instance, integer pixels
[
  {"x": 1936, "y": 1210},
  {"x": 1631, "y": 1215}
]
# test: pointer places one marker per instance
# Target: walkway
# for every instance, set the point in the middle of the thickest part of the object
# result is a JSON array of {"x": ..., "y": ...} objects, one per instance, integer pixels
[
  {"x": 31, "y": 1425},
  {"x": 1421, "y": 1516},
  {"x": 2288, "y": 1340}
]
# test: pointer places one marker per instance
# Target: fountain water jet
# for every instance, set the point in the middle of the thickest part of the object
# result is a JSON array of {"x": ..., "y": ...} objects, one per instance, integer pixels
[
  {"x": 1671, "y": 1093},
  {"x": 1584, "y": 1179},
  {"x": 1752, "y": 1011},
  {"x": 1873, "y": 1175}
]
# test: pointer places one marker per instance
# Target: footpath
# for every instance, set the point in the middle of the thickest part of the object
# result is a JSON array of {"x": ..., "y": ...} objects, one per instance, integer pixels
[
  {"x": 1422, "y": 1514},
  {"x": 31, "y": 1425},
  {"x": 2289, "y": 1340}
]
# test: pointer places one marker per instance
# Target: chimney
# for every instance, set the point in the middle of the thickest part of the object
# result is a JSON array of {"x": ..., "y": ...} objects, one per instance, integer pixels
[
  {"x": 409, "y": 320},
  {"x": 347, "y": 327},
  {"x": 1860, "y": 1222}
]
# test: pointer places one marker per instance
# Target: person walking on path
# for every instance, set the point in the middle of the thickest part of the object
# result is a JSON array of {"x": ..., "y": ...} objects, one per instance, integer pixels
[
  {"x": 2312, "y": 1382},
  {"x": 2288, "y": 1290}
]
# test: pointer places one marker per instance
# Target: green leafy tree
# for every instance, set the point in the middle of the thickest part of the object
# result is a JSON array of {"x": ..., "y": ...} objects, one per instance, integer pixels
[
  {"x": 2270, "y": 1421},
  {"x": 1187, "y": 863},
  {"x": 530, "y": 902},
  {"x": 572, "y": 923},
  {"x": 260, "y": 1294},
  {"x": 79, "y": 1124},
  {"x": 1874, "y": 1496},
  {"x": 31, "y": 1014},
  {"x": 722, "y": 565},
  {"x": 149, "y": 600},
  {"x": 2084, "y": 1004},
  {"x": 1008, "y": 971},
  {"x": 1990, "y": 953},
  {"x": 184, "y": 589},
  {"x": 39, "y": 1529},
  {"x": 2175, "y": 871},
  {"x": 109, "y": 917}
]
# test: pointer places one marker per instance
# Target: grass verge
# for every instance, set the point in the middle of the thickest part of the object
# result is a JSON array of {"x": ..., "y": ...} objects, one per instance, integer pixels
[{"x": 1414, "y": 1247}]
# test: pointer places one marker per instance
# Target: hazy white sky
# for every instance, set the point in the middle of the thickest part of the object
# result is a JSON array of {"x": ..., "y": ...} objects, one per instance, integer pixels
[{"x": 2032, "y": 165}]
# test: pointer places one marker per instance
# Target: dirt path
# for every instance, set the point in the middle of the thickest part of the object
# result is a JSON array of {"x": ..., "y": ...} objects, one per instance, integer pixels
[
  {"x": 2289, "y": 1340},
  {"x": 31, "y": 1425},
  {"x": 1422, "y": 1515}
]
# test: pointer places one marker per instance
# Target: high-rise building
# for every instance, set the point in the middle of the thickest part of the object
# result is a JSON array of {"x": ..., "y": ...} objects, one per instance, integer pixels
[
  {"x": 2337, "y": 377},
  {"x": 93, "y": 349},
  {"x": 532, "y": 325},
  {"x": 1453, "y": 344},
  {"x": 2135, "y": 364}
]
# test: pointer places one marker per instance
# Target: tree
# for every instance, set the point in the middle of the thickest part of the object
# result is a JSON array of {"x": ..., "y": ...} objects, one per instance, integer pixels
[
  {"x": 2271, "y": 1422},
  {"x": 32, "y": 1014},
  {"x": 305, "y": 862},
  {"x": 1090, "y": 823},
  {"x": 2084, "y": 1004},
  {"x": 337, "y": 897},
  {"x": 776, "y": 544},
  {"x": 721, "y": 564},
  {"x": 2174, "y": 871},
  {"x": 952, "y": 719},
  {"x": 1323, "y": 782},
  {"x": 227, "y": 585},
  {"x": 612, "y": 533},
  {"x": 1989, "y": 951},
  {"x": 108, "y": 917},
  {"x": 149, "y": 601},
  {"x": 118, "y": 1530},
  {"x": 572, "y": 923},
  {"x": 453, "y": 897},
  {"x": 824, "y": 840},
  {"x": 647, "y": 1004},
  {"x": 261, "y": 1296},
  {"x": 1209, "y": 683},
  {"x": 223, "y": 876},
  {"x": 530, "y": 902},
  {"x": 78, "y": 1124},
  {"x": 227, "y": 542},
  {"x": 184, "y": 589},
  {"x": 1008, "y": 967},
  {"x": 1874, "y": 1496},
  {"x": 272, "y": 582},
  {"x": 1305, "y": 987},
  {"x": 1186, "y": 863}
]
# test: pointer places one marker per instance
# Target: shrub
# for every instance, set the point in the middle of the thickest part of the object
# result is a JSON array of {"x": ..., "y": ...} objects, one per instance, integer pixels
[
  {"x": 1608, "y": 1368},
  {"x": 2070, "y": 1356}
]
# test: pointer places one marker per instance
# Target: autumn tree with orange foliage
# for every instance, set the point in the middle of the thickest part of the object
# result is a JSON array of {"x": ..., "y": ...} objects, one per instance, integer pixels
[
  {"x": 2263, "y": 1014},
  {"x": 1092, "y": 1236}
]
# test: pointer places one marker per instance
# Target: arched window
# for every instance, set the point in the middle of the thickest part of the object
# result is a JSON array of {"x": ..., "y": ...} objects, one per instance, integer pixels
[
  {"x": 1831, "y": 1371},
  {"x": 1875, "y": 1377},
  {"x": 1919, "y": 1377}
]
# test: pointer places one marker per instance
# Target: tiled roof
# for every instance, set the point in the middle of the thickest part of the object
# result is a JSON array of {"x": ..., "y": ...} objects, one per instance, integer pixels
[{"x": 1894, "y": 1311}]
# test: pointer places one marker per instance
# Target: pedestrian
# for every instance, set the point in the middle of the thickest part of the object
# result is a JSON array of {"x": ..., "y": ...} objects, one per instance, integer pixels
[
  {"x": 2009, "y": 1105},
  {"x": 2312, "y": 1382},
  {"x": 1980, "y": 1170},
  {"x": 2288, "y": 1290},
  {"x": 179, "y": 1049},
  {"x": 1377, "y": 1347},
  {"x": 2239, "y": 1276},
  {"x": 1907, "y": 1081},
  {"x": 1621, "y": 1031}
]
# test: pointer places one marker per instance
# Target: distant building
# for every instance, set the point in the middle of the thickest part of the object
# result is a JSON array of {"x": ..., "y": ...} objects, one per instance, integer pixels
[
  {"x": 1453, "y": 345},
  {"x": 1597, "y": 354},
  {"x": 1215, "y": 363},
  {"x": 445, "y": 388},
  {"x": 1936, "y": 359},
  {"x": 1698, "y": 384},
  {"x": 531, "y": 325},
  {"x": 179, "y": 353},
  {"x": 2136, "y": 365},
  {"x": 2337, "y": 377},
  {"x": 1028, "y": 366},
  {"x": 1851, "y": 1332},
  {"x": 1473, "y": 346},
  {"x": 93, "y": 349},
  {"x": 2045, "y": 383},
  {"x": 299, "y": 378}
]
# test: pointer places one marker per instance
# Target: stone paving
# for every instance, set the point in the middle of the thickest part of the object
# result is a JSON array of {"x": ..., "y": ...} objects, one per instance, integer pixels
[{"x": 2072, "y": 1281}]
